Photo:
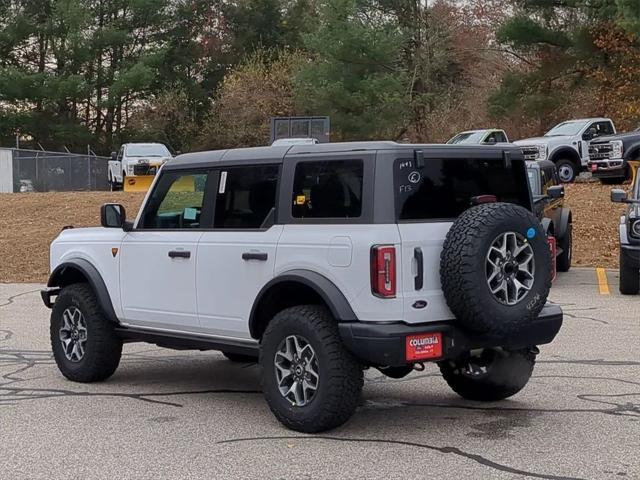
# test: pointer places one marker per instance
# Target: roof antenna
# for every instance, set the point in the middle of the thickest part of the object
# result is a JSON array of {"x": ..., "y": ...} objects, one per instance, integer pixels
[{"x": 418, "y": 158}]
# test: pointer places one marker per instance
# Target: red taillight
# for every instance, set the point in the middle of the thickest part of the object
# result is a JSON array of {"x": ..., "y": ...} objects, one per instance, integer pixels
[
  {"x": 554, "y": 251},
  {"x": 383, "y": 270}
]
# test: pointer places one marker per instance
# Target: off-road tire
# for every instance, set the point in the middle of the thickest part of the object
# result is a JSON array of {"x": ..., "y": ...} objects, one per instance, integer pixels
[
  {"x": 463, "y": 268},
  {"x": 340, "y": 374},
  {"x": 505, "y": 377},
  {"x": 563, "y": 261},
  {"x": 103, "y": 347},
  {"x": 565, "y": 162},
  {"x": 239, "y": 358},
  {"x": 629, "y": 278}
]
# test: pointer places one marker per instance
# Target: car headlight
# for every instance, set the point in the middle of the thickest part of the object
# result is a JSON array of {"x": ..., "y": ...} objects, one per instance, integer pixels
[
  {"x": 542, "y": 152},
  {"x": 634, "y": 228},
  {"x": 616, "y": 149},
  {"x": 129, "y": 169}
]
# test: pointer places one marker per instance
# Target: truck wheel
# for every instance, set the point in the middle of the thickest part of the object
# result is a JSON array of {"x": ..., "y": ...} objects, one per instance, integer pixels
[
  {"x": 239, "y": 358},
  {"x": 311, "y": 382},
  {"x": 567, "y": 170},
  {"x": 629, "y": 278},
  {"x": 493, "y": 375},
  {"x": 495, "y": 268},
  {"x": 563, "y": 261},
  {"x": 85, "y": 345}
]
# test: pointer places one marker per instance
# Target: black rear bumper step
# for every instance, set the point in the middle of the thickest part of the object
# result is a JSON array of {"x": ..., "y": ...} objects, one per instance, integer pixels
[{"x": 384, "y": 344}]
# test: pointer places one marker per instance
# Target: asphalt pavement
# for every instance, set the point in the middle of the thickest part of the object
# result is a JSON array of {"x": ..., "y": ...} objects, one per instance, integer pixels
[{"x": 176, "y": 414}]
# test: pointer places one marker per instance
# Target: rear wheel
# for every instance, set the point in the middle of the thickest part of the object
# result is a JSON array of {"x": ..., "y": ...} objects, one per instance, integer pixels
[
  {"x": 567, "y": 170},
  {"x": 310, "y": 381},
  {"x": 629, "y": 278},
  {"x": 489, "y": 375},
  {"x": 85, "y": 345},
  {"x": 563, "y": 261}
]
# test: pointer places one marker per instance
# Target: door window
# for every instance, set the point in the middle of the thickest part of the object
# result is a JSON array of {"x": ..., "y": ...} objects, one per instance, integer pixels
[
  {"x": 328, "y": 189},
  {"x": 176, "y": 202},
  {"x": 246, "y": 197}
]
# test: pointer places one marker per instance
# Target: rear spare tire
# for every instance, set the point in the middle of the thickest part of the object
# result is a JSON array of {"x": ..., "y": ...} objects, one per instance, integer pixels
[{"x": 495, "y": 268}]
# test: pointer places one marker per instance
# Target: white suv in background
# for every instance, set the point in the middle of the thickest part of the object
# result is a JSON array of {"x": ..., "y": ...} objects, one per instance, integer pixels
[
  {"x": 321, "y": 260},
  {"x": 567, "y": 145}
]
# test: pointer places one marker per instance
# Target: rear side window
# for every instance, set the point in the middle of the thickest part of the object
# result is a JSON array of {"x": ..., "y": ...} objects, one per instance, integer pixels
[
  {"x": 328, "y": 189},
  {"x": 444, "y": 188},
  {"x": 246, "y": 196}
]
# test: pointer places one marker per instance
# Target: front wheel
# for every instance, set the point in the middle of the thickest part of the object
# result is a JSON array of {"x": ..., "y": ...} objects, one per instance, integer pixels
[
  {"x": 493, "y": 374},
  {"x": 85, "y": 345},
  {"x": 567, "y": 170},
  {"x": 310, "y": 381},
  {"x": 629, "y": 278}
]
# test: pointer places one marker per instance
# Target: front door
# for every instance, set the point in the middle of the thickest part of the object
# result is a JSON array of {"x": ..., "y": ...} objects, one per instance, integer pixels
[
  {"x": 158, "y": 258},
  {"x": 237, "y": 257}
]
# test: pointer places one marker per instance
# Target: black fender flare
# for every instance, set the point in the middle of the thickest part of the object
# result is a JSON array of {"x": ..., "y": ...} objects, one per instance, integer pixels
[
  {"x": 332, "y": 296},
  {"x": 633, "y": 148},
  {"x": 566, "y": 152},
  {"x": 565, "y": 220},
  {"x": 88, "y": 271}
]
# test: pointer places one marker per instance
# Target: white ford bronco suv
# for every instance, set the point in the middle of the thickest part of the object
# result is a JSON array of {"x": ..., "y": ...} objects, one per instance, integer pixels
[{"x": 321, "y": 260}]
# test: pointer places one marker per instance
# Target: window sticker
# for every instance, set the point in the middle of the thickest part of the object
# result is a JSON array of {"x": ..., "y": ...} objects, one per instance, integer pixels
[{"x": 190, "y": 213}]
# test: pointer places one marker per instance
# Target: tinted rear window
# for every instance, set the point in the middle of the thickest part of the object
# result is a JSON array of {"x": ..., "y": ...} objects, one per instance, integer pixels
[{"x": 443, "y": 189}]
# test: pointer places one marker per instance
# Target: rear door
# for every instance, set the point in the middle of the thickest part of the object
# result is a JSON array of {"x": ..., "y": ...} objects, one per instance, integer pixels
[
  {"x": 237, "y": 257},
  {"x": 427, "y": 202}
]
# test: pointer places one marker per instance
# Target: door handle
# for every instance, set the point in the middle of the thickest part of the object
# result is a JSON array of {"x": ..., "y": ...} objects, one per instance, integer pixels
[
  {"x": 418, "y": 281},
  {"x": 255, "y": 256},
  {"x": 179, "y": 254}
]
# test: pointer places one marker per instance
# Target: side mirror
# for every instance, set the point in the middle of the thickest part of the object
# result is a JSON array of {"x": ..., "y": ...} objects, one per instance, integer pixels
[
  {"x": 112, "y": 215},
  {"x": 618, "y": 195},
  {"x": 556, "y": 191},
  {"x": 114, "y": 155}
]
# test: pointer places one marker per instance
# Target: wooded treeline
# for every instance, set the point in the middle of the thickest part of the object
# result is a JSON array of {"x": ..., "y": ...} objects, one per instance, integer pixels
[{"x": 200, "y": 74}]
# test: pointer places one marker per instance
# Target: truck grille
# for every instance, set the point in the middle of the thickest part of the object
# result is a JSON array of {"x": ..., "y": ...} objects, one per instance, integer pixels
[
  {"x": 144, "y": 169},
  {"x": 530, "y": 153},
  {"x": 600, "y": 151}
]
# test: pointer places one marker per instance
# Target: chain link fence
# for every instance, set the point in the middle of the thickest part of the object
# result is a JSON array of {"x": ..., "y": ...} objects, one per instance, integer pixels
[{"x": 24, "y": 170}]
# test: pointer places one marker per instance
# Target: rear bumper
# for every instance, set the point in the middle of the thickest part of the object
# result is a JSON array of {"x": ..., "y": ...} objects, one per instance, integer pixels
[
  {"x": 46, "y": 295},
  {"x": 385, "y": 344}
]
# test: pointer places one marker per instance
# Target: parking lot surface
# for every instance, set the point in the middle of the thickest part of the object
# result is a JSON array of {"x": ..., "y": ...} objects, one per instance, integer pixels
[{"x": 174, "y": 414}]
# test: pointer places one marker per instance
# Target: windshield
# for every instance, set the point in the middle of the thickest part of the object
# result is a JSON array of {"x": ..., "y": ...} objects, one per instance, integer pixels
[
  {"x": 566, "y": 128},
  {"x": 467, "y": 137},
  {"x": 150, "y": 150}
]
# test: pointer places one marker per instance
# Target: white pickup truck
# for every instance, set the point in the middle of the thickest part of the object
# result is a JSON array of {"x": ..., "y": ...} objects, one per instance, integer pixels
[
  {"x": 567, "y": 145},
  {"x": 136, "y": 160}
]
